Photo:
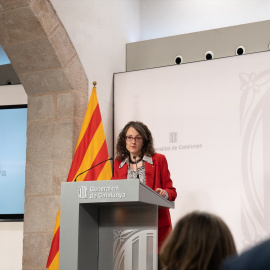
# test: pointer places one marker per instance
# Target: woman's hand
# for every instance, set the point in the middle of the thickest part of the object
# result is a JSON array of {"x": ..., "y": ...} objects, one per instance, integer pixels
[{"x": 161, "y": 192}]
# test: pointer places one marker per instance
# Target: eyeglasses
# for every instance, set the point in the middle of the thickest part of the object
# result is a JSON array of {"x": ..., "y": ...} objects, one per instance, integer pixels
[{"x": 137, "y": 139}]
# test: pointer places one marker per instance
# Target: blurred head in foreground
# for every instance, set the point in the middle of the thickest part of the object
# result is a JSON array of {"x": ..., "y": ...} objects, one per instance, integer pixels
[{"x": 199, "y": 241}]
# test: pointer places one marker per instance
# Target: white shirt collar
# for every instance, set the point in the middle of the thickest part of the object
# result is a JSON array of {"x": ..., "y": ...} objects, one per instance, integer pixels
[{"x": 145, "y": 158}]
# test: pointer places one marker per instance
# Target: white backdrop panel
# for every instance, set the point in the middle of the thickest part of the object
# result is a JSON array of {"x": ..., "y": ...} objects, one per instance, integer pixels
[{"x": 211, "y": 120}]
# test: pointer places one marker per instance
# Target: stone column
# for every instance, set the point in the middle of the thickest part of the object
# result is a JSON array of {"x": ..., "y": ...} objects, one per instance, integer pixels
[{"x": 47, "y": 64}]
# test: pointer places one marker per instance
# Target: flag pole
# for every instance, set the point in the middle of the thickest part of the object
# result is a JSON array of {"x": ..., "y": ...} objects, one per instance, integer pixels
[{"x": 94, "y": 83}]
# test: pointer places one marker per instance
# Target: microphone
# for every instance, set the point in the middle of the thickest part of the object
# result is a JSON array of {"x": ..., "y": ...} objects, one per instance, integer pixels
[
  {"x": 111, "y": 158},
  {"x": 134, "y": 157}
]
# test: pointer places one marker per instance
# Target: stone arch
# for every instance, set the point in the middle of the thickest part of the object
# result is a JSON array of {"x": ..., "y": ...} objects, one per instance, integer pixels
[{"x": 51, "y": 73}]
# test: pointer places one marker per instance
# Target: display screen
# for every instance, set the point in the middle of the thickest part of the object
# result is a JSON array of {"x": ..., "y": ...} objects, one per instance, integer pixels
[{"x": 13, "y": 123}]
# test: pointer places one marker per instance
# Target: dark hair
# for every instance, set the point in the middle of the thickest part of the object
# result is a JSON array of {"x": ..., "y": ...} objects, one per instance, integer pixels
[
  {"x": 200, "y": 241},
  {"x": 148, "y": 145}
]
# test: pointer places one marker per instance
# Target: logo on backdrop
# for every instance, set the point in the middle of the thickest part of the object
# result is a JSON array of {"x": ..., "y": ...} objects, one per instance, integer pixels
[{"x": 173, "y": 139}]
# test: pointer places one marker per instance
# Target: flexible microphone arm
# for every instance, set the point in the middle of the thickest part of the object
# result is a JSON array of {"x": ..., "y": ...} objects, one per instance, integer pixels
[
  {"x": 134, "y": 157},
  {"x": 111, "y": 158}
]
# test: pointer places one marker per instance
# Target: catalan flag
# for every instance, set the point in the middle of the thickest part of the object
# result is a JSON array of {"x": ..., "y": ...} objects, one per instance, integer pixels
[{"x": 91, "y": 149}]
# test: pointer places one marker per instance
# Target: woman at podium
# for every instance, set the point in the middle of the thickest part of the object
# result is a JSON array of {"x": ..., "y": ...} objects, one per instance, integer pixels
[{"x": 136, "y": 158}]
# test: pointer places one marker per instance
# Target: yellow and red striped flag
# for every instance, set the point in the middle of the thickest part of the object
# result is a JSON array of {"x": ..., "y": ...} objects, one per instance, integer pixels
[{"x": 91, "y": 149}]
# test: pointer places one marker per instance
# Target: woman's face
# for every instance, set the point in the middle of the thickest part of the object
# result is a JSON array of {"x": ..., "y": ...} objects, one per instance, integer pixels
[{"x": 134, "y": 142}]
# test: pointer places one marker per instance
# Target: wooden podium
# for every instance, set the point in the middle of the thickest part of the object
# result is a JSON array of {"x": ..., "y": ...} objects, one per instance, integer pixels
[{"x": 109, "y": 225}]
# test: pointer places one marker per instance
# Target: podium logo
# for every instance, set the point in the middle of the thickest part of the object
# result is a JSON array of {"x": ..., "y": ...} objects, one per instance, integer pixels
[
  {"x": 135, "y": 247},
  {"x": 82, "y": 192}
]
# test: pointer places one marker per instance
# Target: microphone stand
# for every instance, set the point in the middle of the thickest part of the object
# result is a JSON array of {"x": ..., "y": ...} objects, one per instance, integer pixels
[{"x": 111, "y": 158}]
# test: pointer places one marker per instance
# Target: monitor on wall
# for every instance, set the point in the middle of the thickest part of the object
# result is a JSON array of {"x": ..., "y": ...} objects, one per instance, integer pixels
[{"x": 13, "y": 123}]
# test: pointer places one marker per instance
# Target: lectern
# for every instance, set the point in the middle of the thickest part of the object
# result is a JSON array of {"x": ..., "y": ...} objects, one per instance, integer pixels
[{"x": 109, "y": 225}]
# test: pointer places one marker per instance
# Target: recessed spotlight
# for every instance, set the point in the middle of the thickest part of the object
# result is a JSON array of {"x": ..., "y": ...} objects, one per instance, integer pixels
[
  {"x": 209, "y": 55},
  {"x": 178, "y": 59},
  {"x": 240, "y": 50}
]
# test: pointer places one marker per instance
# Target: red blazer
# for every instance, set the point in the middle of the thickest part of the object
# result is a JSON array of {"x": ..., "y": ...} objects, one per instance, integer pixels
[{"x": 157, "y": 175}]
